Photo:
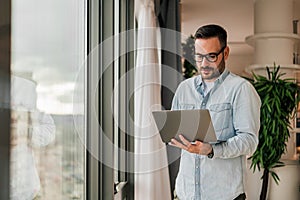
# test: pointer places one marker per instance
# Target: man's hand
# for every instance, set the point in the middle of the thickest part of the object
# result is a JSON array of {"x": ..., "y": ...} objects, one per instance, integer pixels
[{"x": 197, "y": 147}]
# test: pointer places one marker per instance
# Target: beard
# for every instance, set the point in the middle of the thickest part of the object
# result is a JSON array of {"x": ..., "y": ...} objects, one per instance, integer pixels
[{"x": 211, "y": 73}]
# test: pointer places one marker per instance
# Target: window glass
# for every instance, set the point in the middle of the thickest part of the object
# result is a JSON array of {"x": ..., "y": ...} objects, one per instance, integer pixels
[{"x": 48, "y": 99}]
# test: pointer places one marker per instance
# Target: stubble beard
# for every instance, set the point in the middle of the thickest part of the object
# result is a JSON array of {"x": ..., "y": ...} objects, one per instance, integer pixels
[{"x": 210, "y": 73}]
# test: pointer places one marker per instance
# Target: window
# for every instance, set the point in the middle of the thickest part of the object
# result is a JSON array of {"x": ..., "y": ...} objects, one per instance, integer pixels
[
  {"x": 48, "y": 77},
  {"x": 110, "y": 146},
  {"x": 61, "y": 114}
]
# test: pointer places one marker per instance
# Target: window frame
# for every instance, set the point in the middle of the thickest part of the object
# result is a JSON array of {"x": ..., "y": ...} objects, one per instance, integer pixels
[
  {"x": 5, "y": 84},
  {"x": 103, "y": 19}
]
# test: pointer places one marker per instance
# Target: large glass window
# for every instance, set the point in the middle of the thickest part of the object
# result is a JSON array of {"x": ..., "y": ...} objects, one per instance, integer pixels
[{"x": 48, "y": 99}]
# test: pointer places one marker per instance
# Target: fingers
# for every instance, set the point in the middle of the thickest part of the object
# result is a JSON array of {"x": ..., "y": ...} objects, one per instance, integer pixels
[
  {"x": 184, "y": 141},
  {"x": 197, "y": 147},
  {"x": 174, "y": 142},
  {"x": 184, "y": 144}
]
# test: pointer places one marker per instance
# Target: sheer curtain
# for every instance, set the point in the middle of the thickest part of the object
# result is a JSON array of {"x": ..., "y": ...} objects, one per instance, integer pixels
[{"x": 151, "y": 165}]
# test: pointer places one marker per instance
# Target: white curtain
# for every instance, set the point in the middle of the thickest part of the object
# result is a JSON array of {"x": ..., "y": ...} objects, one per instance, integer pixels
[{"x": 151, "y": 165}]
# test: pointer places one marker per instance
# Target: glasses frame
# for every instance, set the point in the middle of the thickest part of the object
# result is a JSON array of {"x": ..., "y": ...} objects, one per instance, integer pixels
[{"x": 199, "y": 57}]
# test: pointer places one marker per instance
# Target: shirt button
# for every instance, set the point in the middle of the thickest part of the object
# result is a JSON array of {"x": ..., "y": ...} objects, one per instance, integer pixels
[
  {"x": 197, "y": 183},
  {"x": 197, "y": 167}
]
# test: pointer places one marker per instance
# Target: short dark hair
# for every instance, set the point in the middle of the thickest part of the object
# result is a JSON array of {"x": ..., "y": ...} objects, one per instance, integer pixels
[{"x": 212, "y": 30}]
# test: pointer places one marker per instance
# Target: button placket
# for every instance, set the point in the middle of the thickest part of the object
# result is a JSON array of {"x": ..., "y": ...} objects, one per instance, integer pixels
[{"x": 197, "y": 177}]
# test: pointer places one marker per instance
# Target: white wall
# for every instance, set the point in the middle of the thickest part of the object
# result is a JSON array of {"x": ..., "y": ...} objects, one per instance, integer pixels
[{"x": 238, "y": 63}]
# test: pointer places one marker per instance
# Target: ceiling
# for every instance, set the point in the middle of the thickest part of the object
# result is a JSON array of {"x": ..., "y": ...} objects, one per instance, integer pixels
[{"x": 236, "y": 16}]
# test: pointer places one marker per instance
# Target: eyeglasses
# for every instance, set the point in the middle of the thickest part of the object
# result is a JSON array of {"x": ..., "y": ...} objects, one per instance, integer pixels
[{"x": 210, "y": 57}]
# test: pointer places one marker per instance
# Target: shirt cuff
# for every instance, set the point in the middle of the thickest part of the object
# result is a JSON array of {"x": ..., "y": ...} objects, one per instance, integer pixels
[{"x": 218, "y": 149}]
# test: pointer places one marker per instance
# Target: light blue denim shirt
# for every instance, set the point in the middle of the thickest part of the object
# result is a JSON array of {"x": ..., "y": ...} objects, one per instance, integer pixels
[{"x": 234, "y": 106}]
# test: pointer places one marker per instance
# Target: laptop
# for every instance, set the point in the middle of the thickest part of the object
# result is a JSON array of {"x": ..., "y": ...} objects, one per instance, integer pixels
[{"x": 192, "y": 124}]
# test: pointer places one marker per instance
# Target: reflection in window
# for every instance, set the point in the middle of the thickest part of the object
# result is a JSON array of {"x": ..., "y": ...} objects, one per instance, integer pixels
[{"x": 48, "y": 102}]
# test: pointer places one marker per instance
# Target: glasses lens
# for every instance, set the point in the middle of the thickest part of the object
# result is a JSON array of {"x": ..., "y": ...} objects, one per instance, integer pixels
[
  {"x": 199, "y": 58},
  {"x": 212, "y": 57}
]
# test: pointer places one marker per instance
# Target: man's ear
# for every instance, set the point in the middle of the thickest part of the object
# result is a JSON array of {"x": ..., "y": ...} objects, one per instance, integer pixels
[{"x": 226, "y": 52}]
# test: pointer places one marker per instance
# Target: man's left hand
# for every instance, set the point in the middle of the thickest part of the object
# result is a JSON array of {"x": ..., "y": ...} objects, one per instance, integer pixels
[{"x": 197, "y": 147}]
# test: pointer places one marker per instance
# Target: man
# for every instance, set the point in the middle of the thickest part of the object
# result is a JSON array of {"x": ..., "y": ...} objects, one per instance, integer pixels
[{"x": 216, "y": 171}]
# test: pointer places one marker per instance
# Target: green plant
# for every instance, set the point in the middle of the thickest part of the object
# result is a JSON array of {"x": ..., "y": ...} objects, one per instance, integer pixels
[
  {"x": 188, "y": 48},
  {"x": 279, "y": 98}
]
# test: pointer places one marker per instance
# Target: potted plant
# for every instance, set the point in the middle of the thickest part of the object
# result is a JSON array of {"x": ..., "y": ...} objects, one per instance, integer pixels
[{"x": 279, "y": 98}]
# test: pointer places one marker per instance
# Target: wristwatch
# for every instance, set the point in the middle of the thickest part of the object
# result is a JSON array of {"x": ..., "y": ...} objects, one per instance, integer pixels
[{"x": 211, "y": 154}]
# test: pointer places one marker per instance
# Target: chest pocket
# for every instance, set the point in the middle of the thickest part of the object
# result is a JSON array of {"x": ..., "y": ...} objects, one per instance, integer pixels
[{"x": 220, "y": 114}]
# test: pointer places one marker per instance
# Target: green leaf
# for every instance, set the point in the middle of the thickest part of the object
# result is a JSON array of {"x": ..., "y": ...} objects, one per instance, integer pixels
[
  {"x": 280, "y": 98},
  {"x": 275, "y": 177}
]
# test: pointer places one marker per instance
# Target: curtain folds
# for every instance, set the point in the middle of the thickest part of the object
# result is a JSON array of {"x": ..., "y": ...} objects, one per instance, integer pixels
[{"x": 151, "y": 165}]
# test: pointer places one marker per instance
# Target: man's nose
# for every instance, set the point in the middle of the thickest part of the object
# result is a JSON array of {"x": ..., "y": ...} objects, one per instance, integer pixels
[{"x": 205, "y": 62}]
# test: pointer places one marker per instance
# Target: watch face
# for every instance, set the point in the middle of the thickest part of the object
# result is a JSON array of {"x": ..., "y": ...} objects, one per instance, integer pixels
[{"x": 210, "y": 155}]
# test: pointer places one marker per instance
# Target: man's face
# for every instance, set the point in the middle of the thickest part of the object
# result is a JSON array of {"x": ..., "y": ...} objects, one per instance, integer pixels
[{"x": 210, "y": 58}]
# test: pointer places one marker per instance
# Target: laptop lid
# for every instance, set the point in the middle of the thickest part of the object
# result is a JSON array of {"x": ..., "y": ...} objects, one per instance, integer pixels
[{"x": 192, "y": 124}]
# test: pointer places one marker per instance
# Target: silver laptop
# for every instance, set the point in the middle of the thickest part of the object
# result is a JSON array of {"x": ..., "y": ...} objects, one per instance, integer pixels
[{"x": 192, "y": 124}]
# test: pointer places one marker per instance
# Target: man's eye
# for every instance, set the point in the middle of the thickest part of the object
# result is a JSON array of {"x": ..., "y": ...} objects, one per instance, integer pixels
[{"x": 212, "y": 56}]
